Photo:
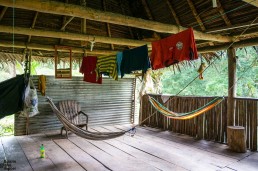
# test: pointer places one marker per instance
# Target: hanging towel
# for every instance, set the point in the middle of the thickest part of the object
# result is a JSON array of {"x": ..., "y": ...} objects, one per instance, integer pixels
[
  {"x": 42, "y": 84},
  {"x": 11, "y": 95},
  {"x": 173, "y": 49},
  {"x": 88, "y": 68},
  {"x": 119, "y": 57},
  {"x": 135, "y": 59},
  {"x": 107, "y": 65}
]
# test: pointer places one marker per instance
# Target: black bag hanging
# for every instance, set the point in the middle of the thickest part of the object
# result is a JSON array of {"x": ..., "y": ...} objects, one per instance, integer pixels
[{"x": 11, "y": 95}]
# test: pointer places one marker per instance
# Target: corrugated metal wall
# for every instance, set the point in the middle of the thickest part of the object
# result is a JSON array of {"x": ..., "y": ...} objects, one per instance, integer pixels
[{"x": 107, "y": 103}]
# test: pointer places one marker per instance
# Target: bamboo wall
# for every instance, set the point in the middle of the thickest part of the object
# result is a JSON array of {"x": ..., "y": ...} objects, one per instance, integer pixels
[{"x": 212, "y": 125}]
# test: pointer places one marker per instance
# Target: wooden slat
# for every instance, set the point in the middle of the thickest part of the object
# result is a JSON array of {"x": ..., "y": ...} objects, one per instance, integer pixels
[
  {"x": 87, "y": 161},
  {"x": 31, "y": 150},
  {"x": 15, "y": 155}
]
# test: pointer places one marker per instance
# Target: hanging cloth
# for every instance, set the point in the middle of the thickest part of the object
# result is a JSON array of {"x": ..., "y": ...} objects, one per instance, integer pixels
[
  {"x": 42, "y": 84},
  {"x": 119, "y": 57},
  {"x": 173, "y": 49},
  {"x": 135, "y": 59},
  {"x": 107, "y": 65},
  {"x": 88, "y": 68},
  {"x": 11, "y": 95}
]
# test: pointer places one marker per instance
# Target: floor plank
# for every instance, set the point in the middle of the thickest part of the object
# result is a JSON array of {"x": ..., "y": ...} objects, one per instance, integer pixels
[
  {"x": 115, "y": 163},
  {"x": 143, "y": 156},
  {"x": 58, "y": 156},
  {"x": 192, "y": 158},
  {"x": 31, "y": 150},
  {"x": 14, "y": 154},
  {"x": 83, "y": 158}
]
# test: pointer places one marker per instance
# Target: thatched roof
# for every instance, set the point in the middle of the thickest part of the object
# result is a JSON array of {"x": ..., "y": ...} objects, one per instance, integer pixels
[{"x": 116, "y": 24}]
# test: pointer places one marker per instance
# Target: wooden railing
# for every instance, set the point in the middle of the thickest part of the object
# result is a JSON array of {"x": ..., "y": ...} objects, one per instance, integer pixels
[{"x": 212, "y": 125}]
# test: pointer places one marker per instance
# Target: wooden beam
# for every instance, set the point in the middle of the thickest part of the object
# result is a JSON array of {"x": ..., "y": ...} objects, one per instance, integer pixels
[
  {"x": 173, "y": 12},
  {"x": 253, "y": 2},
  {"x": 33, "y": 23},
  {"x": 71, "y": 36},
  {"x": 231, "y": 106},
  {"x": 240, "y": 44},
  {"x": 35, "y": 46},
  {"x": 223, "y": 14},
  {"x": 59, "y": 8},
  {"x": 196, "y": 16},
  {"x": 2, "y": 13}
]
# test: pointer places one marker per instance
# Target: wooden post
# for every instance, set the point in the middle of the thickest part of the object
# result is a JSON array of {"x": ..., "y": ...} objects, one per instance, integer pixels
[
  {"x": 236, "y": 138},
  {"x": 231, "y": 86}
]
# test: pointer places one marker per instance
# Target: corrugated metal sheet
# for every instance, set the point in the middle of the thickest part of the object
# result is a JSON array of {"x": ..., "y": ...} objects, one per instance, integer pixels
[{"x": 107, "y": 103}]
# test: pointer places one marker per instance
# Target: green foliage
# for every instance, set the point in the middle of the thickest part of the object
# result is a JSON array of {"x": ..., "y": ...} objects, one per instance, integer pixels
[
  {"x": 7, "y": 126},
  {"x": 215, "y": 82}
]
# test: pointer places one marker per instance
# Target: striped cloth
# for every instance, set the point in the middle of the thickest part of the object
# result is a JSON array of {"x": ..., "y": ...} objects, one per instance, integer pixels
[{"x": 107, "y": 65}]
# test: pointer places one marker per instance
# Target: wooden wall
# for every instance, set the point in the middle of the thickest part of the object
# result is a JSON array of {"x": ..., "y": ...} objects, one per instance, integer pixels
[
  {"x": 107, "y": 103},
  {"x": 211, "y": 125}
]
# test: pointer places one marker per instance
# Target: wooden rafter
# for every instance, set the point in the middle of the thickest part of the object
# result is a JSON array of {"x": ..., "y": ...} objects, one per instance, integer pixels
[
  {"x": 33, "y": 23},
  {"x": 66, "y": 23},
  {"x": 222, "y": 13},
  {"x": 123, "y": 12},
  {"x": 173, "y": 12},
  {"x": 150, "y": 16},
  {"x": 83, "y": 24},
  {"x": 3, "y": 12},
  {"x": 196, "y": 16},
  {"x": 147, "y": 9},
  {"x": 108, "y": 26},
  {"x": 59, "y": 8}
]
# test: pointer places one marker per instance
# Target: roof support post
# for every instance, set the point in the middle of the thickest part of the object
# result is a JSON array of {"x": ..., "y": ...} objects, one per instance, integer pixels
[{"x": 231, "y": 106}]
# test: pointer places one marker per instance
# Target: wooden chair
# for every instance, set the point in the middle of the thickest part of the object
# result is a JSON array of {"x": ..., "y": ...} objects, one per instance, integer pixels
[{"x": 72, "y": 110}]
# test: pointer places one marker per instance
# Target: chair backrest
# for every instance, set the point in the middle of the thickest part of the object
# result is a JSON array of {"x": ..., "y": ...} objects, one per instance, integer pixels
[{"x": 70, "y": 109}]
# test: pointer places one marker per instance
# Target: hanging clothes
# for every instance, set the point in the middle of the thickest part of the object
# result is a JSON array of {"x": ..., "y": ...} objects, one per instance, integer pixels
[
  {"x": 107, "y": 65},
  {"x": 119, "y": 57},
  {"x": 11, "y": 95},
  {"x": 135, "y": 59},
  {"x": 173, "y": 49},
  {"x": 88, "y": 68},
  {"x": 42, "y": 84}
]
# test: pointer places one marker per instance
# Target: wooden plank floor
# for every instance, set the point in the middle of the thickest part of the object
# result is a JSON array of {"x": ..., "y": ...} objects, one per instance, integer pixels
[{"x": 149, "y": 149}]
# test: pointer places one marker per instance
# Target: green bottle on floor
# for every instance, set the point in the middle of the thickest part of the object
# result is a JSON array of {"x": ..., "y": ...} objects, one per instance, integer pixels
[{"x": 42, "y": 151}]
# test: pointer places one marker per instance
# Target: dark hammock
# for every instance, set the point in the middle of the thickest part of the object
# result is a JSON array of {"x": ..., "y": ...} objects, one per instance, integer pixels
[
  {"x": 81, "y": 132},
  {"x": 11, "y": 95}
]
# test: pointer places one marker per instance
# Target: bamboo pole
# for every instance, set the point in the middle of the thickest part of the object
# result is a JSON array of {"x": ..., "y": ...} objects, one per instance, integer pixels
[
  {"x": 231, "y": 86},
  {"x": 60, "y": 8}
]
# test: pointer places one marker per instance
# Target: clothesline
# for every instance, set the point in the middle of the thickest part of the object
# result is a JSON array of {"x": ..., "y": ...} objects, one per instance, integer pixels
[{"x": 165, "y": 52}]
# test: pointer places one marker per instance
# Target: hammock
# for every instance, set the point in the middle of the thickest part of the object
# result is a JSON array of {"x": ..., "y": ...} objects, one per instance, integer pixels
[
  {"x": 81, "y": 132},
  {"x": 181, "y": 116}
]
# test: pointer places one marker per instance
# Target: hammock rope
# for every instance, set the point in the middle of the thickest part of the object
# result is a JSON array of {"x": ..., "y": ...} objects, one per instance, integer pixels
[
  {"x": 85, "y": 133},
  {"x": 182, "y": 116}
]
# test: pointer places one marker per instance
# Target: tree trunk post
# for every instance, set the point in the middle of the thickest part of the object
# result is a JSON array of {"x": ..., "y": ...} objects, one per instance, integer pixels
[{"x": 231, "y": 87}]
